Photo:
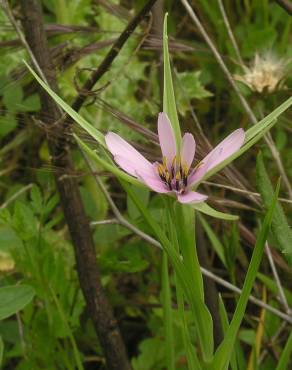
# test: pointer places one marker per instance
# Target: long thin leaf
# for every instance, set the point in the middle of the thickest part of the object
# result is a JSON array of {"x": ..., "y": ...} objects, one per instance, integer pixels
[
  {"x": 202, "y": 316},
  {"x": 280, "y": 227},
  {"x": 167, "y": 314},
  {"x": 285, "y": 355},
  {"x": 106, "y": 164},
  {"x": 253, "y": 135},
  {"x": 169, "y": 104},
  {"x": 222, "y": 355},
  {"x": 217, "y": 245},
  {"x": 208, "y": 210},
  {"x": 92, "y": 131}
]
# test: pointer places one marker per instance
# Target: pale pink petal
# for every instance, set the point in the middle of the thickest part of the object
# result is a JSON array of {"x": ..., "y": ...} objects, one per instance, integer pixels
[
  {"x": 191, "y": 197},
  {"x": 166, "y": 138},
  {"x": 119, "y": 147},
  {"x": 188, "y": 149},
  {"x": 153, "y": 182},
  {"x": 223, "y": 150}
]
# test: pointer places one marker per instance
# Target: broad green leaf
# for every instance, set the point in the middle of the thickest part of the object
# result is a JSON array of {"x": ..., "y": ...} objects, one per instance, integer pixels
[
  {"x": 169, "y": 104},
  {"x": 223, "y": 353},
  {"x": 14, "y": 299},
  {"x": 92, "y": 131},
  {"x": 280, "y": 227},
  {"x": 205, "y": 208}
]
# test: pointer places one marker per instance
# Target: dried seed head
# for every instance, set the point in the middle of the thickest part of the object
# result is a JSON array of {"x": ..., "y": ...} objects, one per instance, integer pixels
[{"x": 266, "y": 73}]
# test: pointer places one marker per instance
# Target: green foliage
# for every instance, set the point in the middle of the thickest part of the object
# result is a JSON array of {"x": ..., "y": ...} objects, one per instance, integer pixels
[
  {"x": 14, "y": 299},
  {"x": 46, "y": 323},
  {"x": 280, "y": 228}
]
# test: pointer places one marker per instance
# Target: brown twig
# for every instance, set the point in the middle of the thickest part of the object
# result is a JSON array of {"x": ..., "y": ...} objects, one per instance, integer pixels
[
  {"x": 98, "y": 306},
  {"x": 111, "y": 55},
  {"x": 286, "y": 5}
]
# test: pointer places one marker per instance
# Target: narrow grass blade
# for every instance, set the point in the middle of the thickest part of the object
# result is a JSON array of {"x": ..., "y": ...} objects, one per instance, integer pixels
[
  {"x": 280, "y": 227},
  {"x": 225, "y": 325},
  {"x": 217, "y": 245},
  {"x": 105, "y": 164},
  {"x": 169, "y": 104},
  {"x": 192, "y": 359},
  {"x": 202, "y": 317},
  {"x": 222, "y": 355},
  {"x": 92, "y": 131},
  {"x": 253, "y": 135},
  {"x": 1, "y": 351},
  {"x": 205, "y": 208},
  {"x": 167, "y": 314},
  {"x": 285, "y": 358}
]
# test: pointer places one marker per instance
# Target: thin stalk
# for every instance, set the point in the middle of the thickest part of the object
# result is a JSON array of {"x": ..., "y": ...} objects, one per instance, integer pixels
[
  {"x": 192, "y": 359},
  {"x": 167, "y": 315},
  {"x": 230, "y": 33}
]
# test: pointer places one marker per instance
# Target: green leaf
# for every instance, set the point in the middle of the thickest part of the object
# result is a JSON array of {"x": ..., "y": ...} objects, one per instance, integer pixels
[
  {"x": 169, "y": 104},
  {"x": 285, "y": 357},
  {"x": 223, "y": 353},
  {"x": 106, "y": 165},
  {"x": 8, "y": 123},
  {"x": 92, "y": 131},
  {"x": 201, "y": 315},
  {"x": 14, "y": 299},
  {"x": 217, "y": 245},
  {"x": 280, "y": 227},
  {"x": 36, "y": 199},
  {"x": 205, "y": 208},
  {"x": 1, "y": 351},
  {"x": 225, "y": 323},
  {"x": 24, "y": 221},
  {"x": 12, "y": 97}
]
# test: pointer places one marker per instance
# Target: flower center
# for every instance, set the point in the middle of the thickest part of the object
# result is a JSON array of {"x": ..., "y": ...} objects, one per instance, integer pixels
[{"x": 175, "y": 177}]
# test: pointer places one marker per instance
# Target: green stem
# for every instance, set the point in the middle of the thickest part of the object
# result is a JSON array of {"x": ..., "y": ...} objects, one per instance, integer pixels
[
  {"x": 167, "y": 314},
  {"x": 286, "y": 355},
  {"x": 193, "y": 362}
]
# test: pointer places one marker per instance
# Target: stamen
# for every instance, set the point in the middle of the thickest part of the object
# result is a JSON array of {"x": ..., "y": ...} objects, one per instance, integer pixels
[
  {"x": 173, "y": 166},
  {"x": 177, "y": 180},
  {"x": 164, "y": 162}
]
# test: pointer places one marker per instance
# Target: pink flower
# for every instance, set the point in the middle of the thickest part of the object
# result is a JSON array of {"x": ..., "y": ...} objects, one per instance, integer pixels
[{"x": 174, "y": 174}]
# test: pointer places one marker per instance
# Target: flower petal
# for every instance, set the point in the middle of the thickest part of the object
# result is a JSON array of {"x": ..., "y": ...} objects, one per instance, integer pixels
[
  {"x": 223, "y": 150},
  {"x": 191, "y": 197},
  {"x": 166, "y": 138},
  {"x": 153, "y": 182},
  {"x": 188, "y": 149},
  {"x": 119, "y": 147}
]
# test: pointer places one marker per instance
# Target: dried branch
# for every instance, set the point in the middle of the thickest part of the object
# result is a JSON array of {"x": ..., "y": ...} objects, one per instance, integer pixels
[
  {"x": 98, "y": 306},
  {"x": 286, "y": 5},
  {"x": 111, "y": 55}
]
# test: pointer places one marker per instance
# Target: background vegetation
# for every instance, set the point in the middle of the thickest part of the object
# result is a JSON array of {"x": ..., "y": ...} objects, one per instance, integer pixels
[{"x": 54, "y": 330}]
